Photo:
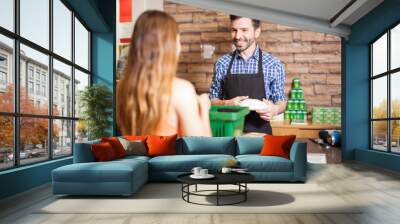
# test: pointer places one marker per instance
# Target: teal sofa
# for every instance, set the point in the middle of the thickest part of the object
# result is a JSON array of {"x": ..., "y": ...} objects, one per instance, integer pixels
[{"x": 125, "y": 176}]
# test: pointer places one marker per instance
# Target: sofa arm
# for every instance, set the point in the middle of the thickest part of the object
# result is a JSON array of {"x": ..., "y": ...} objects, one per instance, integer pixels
[
  {"x": 298, "y": 155},
  {"x": 83, "y": 152}
]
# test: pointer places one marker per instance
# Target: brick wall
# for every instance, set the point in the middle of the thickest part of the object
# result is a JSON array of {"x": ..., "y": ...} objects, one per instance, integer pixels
[{"x": 313, "y": 57}]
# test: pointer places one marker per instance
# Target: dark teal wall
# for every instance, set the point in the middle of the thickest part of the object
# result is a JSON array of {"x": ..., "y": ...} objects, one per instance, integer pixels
[
  {"x": 99, "y": 16},
  {"x": 103, "y": 63},
  {"x": 24, "y": 178},
  {"x": 355, "y": 76}
]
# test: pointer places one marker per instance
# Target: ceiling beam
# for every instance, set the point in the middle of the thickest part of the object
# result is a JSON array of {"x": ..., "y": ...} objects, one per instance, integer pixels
[
  {"x": 271, "y": 15},
  {"x": 346, "y": 12}
]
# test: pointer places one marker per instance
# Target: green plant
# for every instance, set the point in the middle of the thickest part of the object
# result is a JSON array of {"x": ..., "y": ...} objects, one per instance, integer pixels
[{"x": 96, "y": 104}]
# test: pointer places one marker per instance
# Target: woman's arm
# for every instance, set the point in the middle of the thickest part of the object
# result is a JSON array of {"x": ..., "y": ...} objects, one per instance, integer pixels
[{"x": 192, "y": 110}]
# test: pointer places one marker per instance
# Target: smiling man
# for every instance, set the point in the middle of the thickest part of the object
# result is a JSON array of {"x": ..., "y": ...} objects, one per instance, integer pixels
[{"x": 248, "y": 72}]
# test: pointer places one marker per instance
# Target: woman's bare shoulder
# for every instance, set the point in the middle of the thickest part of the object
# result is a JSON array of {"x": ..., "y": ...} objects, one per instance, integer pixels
[{"x": 182, "y": 88}]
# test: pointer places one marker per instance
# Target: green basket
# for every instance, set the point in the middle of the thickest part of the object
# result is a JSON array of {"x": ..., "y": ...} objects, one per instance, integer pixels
[{"x": 227, "y": 120}]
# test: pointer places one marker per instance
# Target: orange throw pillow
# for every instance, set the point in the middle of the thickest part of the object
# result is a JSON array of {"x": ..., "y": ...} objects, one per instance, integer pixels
[
  {"x": 116, "y": 145},
  {"x": 277, "y": 145},
  {"x": 103, "y": 152},
  {"x": 161, "y": 145}
]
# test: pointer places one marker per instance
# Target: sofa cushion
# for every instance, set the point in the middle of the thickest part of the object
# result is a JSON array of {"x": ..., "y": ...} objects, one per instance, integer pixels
[
  {"x": 103, "y": 152},
  {"x": 249, "y": 145},
  {"x": 134, "y": 147},
  {"x": 185, "y": 163},
  {"x": 277, "y": 145},
  {"x": 161, "y": 145},
  {"x": 116, "y": 145},
  {"x": 196, "y": 145},
  {"x": 257, "y": 163},
  {"x": 111, "y": 171},
  {"x": 83, "y": 152}
]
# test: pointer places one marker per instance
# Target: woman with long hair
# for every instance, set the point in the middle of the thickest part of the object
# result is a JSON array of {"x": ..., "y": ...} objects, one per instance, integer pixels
[{"x": 150, "y": 98}]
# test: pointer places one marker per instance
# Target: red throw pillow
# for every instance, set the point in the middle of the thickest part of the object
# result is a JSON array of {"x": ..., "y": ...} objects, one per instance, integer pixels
[
  {"x": 161, "y": 145},
  {"x": 103, "y": 152},
  {"x": 116, "y": 145},
  {"x": 135, "y": 137},
  {"x": 277, "y": 145}
]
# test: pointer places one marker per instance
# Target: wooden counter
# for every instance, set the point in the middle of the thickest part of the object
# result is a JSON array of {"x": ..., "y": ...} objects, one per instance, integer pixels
[{"x": 300, "y": 130}]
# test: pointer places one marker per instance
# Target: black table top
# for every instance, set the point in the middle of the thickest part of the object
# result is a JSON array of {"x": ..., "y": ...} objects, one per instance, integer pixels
[{"x": 220, "y": 178}]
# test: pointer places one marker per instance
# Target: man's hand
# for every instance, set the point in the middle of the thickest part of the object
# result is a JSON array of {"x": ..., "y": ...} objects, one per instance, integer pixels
[
  {"x": 235, "y": 101},
  {"x": 270, "y": 111}
]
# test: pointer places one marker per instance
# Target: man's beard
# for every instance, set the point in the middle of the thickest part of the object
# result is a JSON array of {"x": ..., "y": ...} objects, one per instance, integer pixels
[{"x": 248, "y": 43}]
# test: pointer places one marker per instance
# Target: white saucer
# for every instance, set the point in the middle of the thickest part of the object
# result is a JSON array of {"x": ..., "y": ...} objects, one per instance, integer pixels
[
  {"x": 253, "y": 104},
  {"x": 208, "y": 176}
]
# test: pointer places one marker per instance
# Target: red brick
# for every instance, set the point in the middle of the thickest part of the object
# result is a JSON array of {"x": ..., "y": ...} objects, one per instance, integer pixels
[
  {"x": 215, "y": 37},
  {"x": 318, "y": 100},
  {"x": 334, "y": 48},
  {"x": 194, "y": 77},
  {"x": 195, "y": 48},
  {"x": 335, "y": 79},
  {"x": 307, "y": 79},
  {"x": 190, "y": 38},
  {"x": 224, "y": 48},
  {"x": 285, "y": 58},
  {"x": 289, "y": 47},
  {"x": 191, "y": 57},
  {"x": 281, "y": 36},
  {"x": 283, "y": 27},
  {"x": 296, "y": 68},
  {"x": 187, "y": 8},
  {"x": 224, "y": 26},
  {"x": 329, "y": 37},
  {"x": 321, "y": 58},
  {"x": 183, "y": 17},
  {"x": 202, "y": 17},
  {"x": 266, "y": 26},
  {"x": 336, "y": 100},
  {"x": 296, "y": 35},
  {"x": 308, "y": 90},
  {"x": 327, "y": 89},
  {"x": 312, "y": 36},
  {"x": 193, "y": 68},
  {"x": 182, "y": 68},
  {"x": 169, "y": 7},
  {"x": 185, "y": 47},
  {"x": 197, "y": 27},
  {"x": 202, "y": 87},
  {"x": 325, "y": 68}
]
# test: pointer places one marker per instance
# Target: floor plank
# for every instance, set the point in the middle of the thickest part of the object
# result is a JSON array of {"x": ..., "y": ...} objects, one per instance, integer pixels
[{"x": 377, "y": 190}]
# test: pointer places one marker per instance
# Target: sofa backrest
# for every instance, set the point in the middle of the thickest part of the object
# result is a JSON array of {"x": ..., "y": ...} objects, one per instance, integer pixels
[
  {"x": 249, "y": 145},
  {"x": 206, "y": 145},
  {"x": 83, "y": 152}
]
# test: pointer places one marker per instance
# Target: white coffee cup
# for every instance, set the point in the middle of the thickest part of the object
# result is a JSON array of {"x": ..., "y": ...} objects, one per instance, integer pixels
[
  {"x": 203, "y": 172},
  {"x": 196, "y": 170},
  {"x": 226, "y": 170}
]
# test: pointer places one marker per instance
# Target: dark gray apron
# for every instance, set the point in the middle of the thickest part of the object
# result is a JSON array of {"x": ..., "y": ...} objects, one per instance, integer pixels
[{"x": 251, "y": 85}]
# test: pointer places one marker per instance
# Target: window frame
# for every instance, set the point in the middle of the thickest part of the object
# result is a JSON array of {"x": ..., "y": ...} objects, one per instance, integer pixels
[
  {"x": 16, "y": 115},
  {"x": 388, "y": 74}
]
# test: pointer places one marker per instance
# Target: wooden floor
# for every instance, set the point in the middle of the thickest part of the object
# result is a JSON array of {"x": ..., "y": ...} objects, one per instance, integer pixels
[{"x": 377, "y": 188}]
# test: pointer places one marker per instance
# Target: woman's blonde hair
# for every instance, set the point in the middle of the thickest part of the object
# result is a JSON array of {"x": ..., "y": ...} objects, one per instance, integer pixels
[{"x": 144, "y": 92}]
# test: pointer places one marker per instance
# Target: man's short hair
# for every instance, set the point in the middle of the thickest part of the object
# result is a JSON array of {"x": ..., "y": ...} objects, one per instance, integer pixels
[{"x": 256, "y": 22}]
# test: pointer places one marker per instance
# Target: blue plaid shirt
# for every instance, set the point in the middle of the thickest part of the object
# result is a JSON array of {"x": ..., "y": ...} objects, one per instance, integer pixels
[{"x": 274, "y": 74}]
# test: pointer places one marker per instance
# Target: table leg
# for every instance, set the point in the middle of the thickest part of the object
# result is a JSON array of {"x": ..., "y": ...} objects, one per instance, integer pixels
[
  {"x": 217, "y": 194},
  {"x": 196, "y": 188},
  {"x": 245, "y": 191}
]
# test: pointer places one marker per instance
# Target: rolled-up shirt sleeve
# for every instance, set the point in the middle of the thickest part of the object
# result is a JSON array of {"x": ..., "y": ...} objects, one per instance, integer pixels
[
  {"x": 278, "y": 84},
  {"x": 217, "y": 82}
]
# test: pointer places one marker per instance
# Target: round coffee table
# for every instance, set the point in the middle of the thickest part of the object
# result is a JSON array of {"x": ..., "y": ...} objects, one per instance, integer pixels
[{"x": 238, "y": 179}]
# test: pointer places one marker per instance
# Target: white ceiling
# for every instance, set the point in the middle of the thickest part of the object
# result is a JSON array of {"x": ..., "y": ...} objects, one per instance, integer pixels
[{"x": 316, "y": 15}]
